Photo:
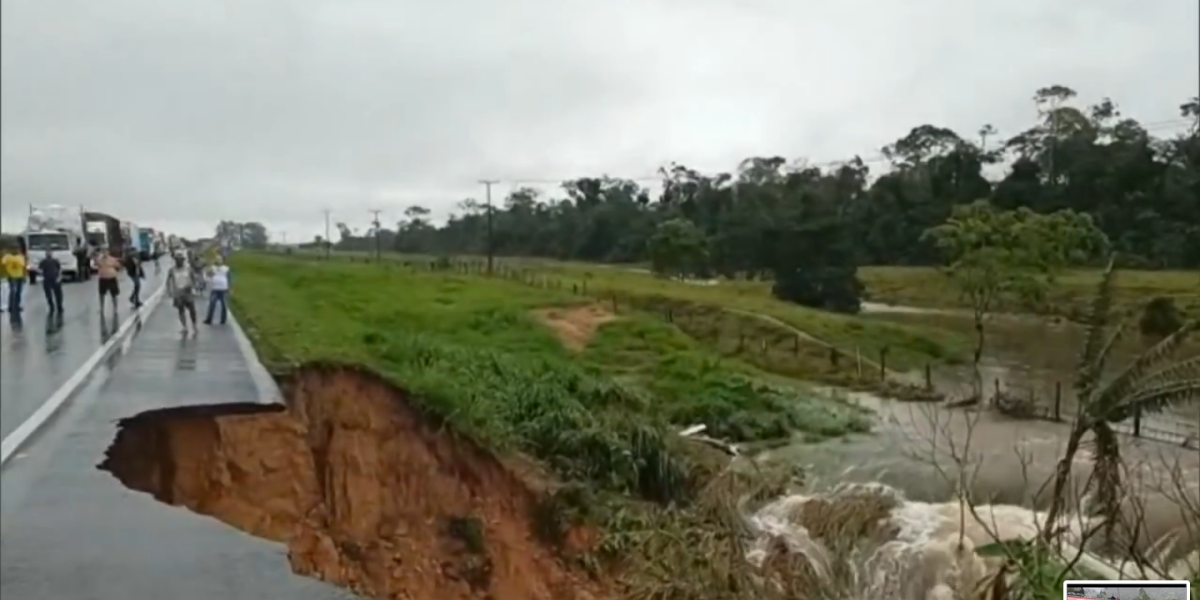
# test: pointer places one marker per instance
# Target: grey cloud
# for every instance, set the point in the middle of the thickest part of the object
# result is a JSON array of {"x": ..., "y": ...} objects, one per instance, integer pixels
[{"x": 272, "y": 110}]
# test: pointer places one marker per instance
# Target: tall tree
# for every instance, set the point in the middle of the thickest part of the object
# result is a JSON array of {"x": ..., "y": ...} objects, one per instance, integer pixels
[
  {"x": 992, "y": 255},
  {"x": 762, "y": 219}
]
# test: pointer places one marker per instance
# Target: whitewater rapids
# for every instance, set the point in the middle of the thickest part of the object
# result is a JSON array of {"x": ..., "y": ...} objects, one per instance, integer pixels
[{"x": 910, "y": 550}]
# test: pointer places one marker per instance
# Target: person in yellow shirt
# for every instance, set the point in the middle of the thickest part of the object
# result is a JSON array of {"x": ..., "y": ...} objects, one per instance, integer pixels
[{"x": 14, "y": 273}]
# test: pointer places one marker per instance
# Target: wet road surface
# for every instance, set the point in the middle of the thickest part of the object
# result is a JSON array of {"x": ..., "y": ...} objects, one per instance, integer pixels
[
  {"x": 39, "y": 354},
  {"x": 69, "y": 530}
]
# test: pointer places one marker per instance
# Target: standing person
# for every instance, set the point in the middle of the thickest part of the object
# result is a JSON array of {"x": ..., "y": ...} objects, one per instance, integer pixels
[
  {"x": 197, "y": 269},
  {"x": 133, "y": 266},
  {"x": 3, "y": 283},
  {"x": 181, "y": 287},
  {"x": 52, "y": 282},
  {"x": 218, "y": 282},
  {"x": 107, "y": 267},
  {"x": 14, "y": 273}
]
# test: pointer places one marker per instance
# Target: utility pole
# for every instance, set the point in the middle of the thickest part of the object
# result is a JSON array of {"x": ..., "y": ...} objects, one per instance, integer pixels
[
  {"x": 375, "y": 223},
  {"x": 491, "y": 248},
  {"x": 328, "y": 243}
]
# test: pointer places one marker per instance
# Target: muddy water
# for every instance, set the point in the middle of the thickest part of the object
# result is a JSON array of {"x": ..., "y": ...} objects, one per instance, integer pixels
[
  {"x": 918, "y": 449},
  {"x": 1010, "y": 458},
  {"x": 1037, "y": 356}
]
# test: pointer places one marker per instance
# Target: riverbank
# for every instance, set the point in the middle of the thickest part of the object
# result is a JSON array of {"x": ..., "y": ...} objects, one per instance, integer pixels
[
  {"x": 582, "y": 407},
  {"x": 568, "y": 413}
]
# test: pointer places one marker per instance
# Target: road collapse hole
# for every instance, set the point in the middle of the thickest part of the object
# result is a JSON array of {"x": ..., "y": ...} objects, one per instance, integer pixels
[{"x": 366, "y": 492}]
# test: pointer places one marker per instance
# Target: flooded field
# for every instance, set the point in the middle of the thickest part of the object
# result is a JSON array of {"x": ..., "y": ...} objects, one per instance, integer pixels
[{"x": 1037, "y": 357}]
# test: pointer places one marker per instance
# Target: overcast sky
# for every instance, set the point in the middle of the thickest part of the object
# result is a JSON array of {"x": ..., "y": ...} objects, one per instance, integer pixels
[{"x": 180, "y": 113}]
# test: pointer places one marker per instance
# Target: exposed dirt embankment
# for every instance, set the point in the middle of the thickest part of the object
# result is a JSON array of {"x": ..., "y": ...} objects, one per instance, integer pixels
[
  {"x": 575, "y": 325},
  {"x": 367, "y": 493}
]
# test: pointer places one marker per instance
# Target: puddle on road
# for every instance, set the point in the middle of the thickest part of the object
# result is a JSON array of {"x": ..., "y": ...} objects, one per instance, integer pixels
[{"x": 366, "y": 493}]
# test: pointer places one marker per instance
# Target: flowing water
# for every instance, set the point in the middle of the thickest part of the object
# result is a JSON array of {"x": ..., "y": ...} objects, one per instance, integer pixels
[
  {"x": 1033, "y": 356},
  {"x": 919, "y": 457}
]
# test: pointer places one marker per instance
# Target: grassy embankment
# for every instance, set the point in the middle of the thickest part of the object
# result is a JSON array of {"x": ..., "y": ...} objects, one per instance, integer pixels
[
  {"x": 476, "y": 350},
  {"x": 741, "y": 319},
  {"x": 486, "y": 356}
]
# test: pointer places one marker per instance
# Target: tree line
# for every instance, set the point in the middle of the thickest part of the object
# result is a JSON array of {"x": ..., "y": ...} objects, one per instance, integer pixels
[
  {"x": 772, "y": 216},
  {"x": 251, "y": 235}
]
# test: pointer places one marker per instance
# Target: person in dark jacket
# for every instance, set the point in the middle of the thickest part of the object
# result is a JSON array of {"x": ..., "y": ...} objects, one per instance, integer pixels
[
  {"x": 133, "y": 266},
  {"x": 52, "y": 282}
]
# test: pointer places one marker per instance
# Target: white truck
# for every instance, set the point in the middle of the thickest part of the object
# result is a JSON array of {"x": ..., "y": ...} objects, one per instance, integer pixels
[{"x": 59, "y": 231}]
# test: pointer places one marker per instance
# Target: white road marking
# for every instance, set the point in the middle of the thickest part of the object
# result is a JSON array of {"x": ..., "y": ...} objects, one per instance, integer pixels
[
  {"x": 25, "y": 430},
  {"x": 264, "y": 383}
]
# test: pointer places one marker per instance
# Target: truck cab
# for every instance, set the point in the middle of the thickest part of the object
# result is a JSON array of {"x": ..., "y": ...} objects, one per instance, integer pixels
[{"x": 61, "y": 248}]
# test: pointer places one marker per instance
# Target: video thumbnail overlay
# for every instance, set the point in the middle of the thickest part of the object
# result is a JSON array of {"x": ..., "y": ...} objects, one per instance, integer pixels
[{"x": 1127, "y": 590}]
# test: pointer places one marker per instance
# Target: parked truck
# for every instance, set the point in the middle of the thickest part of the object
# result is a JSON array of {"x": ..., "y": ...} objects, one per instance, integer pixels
[
  {"x": 58, "y": 231},
  {"x": 139, "y": 243},
  {"x": 146, "y": 243},
  {"x": 104, "y": 232},
  {"x": 156, "y": 241}
]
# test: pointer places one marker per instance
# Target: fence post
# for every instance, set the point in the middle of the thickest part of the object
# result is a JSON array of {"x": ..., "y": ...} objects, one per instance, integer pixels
[
  {"x": 928, "y": 377},
  {"x": 883, "y": 363},
  {"x": 1137, "y": 423},
  {"x": 1057, "y": 400}
]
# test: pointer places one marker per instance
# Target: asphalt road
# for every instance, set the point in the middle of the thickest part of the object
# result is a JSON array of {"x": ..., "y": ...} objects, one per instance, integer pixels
[
  {"x": 70, "y": 531},
  {"x": 41, "y": 351}
]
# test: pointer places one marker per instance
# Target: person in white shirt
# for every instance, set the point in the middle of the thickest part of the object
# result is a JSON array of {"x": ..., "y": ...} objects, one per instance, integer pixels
[{"x": 218, "y": 285}]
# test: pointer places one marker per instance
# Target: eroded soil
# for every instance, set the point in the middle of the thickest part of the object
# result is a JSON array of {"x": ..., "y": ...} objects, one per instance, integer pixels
[
  {"x": 574, "y": 325},
  {"x": 365, "y": 492}
]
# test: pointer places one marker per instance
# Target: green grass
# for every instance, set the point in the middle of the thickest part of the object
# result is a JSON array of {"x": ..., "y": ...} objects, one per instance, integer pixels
[
  {"x": 692, "y": 385},
  {"x": 908, "y": 347},
  {"x": 470, "y": 350}
]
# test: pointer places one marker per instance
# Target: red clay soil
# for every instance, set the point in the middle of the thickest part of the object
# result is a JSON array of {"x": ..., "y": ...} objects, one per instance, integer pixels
[{"x": 365, "y": 492}]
